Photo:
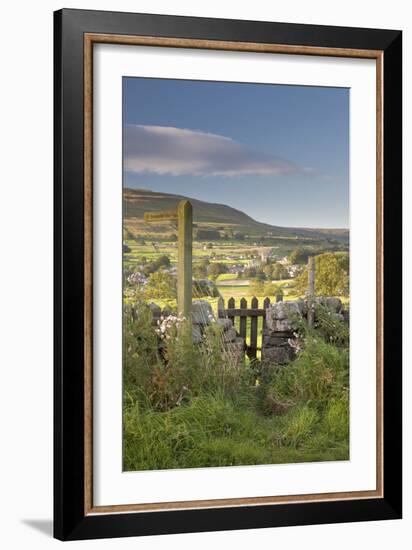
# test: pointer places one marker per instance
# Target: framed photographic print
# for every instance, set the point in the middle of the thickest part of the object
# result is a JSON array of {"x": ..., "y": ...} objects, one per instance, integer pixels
[{"x": 227, "y": 274}]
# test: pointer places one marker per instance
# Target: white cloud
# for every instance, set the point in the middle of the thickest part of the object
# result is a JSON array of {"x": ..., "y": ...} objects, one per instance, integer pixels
[{"x": 177, "y": 151}]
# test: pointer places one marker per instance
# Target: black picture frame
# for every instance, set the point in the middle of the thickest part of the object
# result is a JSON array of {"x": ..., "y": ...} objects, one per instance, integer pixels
[{"x": 70, "y": 520}]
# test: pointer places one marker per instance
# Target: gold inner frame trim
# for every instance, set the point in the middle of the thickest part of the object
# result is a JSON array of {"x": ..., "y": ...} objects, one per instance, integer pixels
[{"x": 89, "y": 40}]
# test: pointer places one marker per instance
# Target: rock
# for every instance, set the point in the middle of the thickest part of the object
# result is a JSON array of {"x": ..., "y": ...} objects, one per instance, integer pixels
[
  {"x": 281, "y": 355},
  {"x": 167, "y": 311},
  {"x": 229, "y": 335},
  {"x": 197, "y": 336},
  {"x": 346, "y": 315},
  {"x": 282, "y": 310},
  {"x": 225, "y": 324},
  {"x": 334, "y": 304},
  {"x": 235, "y": 351},
  {"x": 204, "y": 287},
  {"x": 281, "y": 316},
  {"x": 339, "y": 317},
  {"x": 156, "y": 311},
  {"x": 281, "y": 325},
  {"x": 271, "y": 339},
  {"x": 237, "y": 345},
  {"x": 202, "y": 313},
  {"x": 303, "y": 307}
]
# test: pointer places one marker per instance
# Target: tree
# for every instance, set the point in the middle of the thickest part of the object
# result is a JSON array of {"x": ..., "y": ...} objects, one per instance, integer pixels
[
  {"x": 299, "y": 256},
  {"x": 257, "y": 287},
  {"x": 279, "y": 272},
  {"x": 249, "y": 272},
  {"x": 270, "y": 289},
  {"x": 200, "y": 269},
  {"x": 161, "y": 262},
  {"x": 267, "y": 270},
  {"x": 331, "y": 275},
  {"x": 207, "y": 235},
  {"x": 216, "y": 269},
  {"x": 160, "y": 285},
  {"x": 239, "y": 236}
]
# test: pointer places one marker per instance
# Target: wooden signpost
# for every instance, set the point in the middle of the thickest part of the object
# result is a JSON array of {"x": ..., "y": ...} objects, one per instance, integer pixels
[{"x": 184, "y": 217}]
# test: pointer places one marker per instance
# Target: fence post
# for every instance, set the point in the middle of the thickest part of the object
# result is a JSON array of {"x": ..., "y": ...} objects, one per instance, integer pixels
[
  {"x": 311, "y": 291},
  {"x": 266, "y": 304}
]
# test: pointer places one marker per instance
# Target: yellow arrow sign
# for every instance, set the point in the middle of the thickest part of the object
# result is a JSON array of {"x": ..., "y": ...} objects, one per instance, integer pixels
[{"x": 160, "y": 216}]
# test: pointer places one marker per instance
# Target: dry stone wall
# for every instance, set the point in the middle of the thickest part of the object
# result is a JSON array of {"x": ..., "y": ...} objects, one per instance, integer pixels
[
  {"x": 203, "y": 317},
  {"x": 279, "y": 337}
]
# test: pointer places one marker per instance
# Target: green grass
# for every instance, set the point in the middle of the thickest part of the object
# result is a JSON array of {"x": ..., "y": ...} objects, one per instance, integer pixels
[
  {"x": 226, "y": 277},
  {"x": 196, "y": 408},
  {"x": 217, "y": 431}
]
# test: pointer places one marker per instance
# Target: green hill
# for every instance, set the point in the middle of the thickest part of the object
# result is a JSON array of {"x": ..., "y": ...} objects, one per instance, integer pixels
[{"x": 214, "y": 215}]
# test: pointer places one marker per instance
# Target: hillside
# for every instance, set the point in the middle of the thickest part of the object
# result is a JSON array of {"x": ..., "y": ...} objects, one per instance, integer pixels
[{"x": 207, "y": 214}]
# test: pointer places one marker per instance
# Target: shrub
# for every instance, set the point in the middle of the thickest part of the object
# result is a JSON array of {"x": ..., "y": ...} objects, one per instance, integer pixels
[
  {"x": 161, "y": 286},
  {"x": 319, "y": 374},
  {"x": 216, "y": 269},
  {"x": 257, "y": 287},
  {"x": 330, "y": 326},
  {"x": 182, "y": 370},
  {"x": 161, "y": 262}
]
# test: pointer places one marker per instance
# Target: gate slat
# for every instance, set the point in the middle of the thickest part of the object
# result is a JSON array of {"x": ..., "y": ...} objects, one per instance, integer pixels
[
  {"x": 231, "y": 305},
  {"x": 253, "y": 330},
  {"x": 220, "y": 308},
  {"x": 243, "y": 320}
]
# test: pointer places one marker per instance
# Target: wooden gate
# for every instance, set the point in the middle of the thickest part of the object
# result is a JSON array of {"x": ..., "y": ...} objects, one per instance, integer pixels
[{"x": 246, "y": 320}]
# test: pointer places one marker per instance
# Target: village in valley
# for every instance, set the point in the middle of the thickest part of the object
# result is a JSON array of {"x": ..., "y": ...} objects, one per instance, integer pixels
[{"x": 234, "y": 260}]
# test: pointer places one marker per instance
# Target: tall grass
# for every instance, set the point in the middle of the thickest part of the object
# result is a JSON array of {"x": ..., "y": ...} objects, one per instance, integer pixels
[{"x": 190, "y": 406}]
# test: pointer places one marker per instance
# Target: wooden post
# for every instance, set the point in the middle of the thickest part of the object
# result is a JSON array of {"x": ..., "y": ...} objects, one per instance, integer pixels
[
  {"x": 184, "y": 258},
  {"x": 266, "y": 304},
  {"x": 311, "y": 291},
  {"x": 184, "y": 217}
]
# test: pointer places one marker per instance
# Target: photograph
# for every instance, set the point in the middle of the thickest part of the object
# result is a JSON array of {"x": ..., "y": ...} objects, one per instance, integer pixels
[
  {"x": 227, "y": 250},
  {"x": 236, "y": 298}
]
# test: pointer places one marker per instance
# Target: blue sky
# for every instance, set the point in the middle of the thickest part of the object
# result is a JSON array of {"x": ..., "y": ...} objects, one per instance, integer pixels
[{"x": 278, "y": 153}]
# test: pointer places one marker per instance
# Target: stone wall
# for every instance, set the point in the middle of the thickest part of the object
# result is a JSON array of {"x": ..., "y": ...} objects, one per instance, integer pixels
[
  {"x": 202, "y": 317},
  {"x": 279, "y": 337}
]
